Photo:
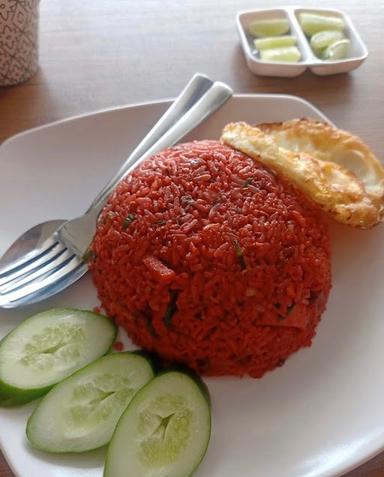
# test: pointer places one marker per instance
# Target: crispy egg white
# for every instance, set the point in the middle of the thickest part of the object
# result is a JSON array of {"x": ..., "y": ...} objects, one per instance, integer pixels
[{"x": 333, "y": 168}]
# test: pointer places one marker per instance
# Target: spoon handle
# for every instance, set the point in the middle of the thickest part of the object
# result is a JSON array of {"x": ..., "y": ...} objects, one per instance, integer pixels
[
  {"x": 213, "y": 99},
  {"x": 193, "y": 91}
]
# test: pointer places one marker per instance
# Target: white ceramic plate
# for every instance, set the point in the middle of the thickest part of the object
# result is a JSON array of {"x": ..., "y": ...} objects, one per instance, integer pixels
[{"x": 319, "y": 415}]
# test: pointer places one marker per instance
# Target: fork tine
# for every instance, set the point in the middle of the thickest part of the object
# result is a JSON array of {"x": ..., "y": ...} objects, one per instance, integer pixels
[
  {"x": 50, "y": 266},
  {"x": 35, "y": 264},
  {"x": 41, "y": 287},
  {"x": 15, "y": 265}
]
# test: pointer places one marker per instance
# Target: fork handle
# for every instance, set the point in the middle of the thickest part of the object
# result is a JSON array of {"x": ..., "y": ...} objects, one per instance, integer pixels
[
  {"x": 193, "y": 91},
  {"x": 78, "y": 233}
]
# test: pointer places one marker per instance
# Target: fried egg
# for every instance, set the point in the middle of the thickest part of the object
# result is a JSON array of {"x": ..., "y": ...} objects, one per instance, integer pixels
[{"x": 333, "y": 168}]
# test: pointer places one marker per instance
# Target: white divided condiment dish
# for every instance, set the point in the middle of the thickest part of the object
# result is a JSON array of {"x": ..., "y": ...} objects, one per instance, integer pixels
[{"x": 358, "y": 51}]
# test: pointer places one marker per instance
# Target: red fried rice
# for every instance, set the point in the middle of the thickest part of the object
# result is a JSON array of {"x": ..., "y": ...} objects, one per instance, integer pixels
[{"x": 207, "y": 258}]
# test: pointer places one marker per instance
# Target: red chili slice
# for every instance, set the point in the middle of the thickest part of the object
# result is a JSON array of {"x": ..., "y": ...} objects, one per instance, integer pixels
[{"x": 158, "y": 269}]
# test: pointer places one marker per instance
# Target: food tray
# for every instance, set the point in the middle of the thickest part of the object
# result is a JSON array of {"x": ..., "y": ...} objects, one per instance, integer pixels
[{"x": 309, "y": 59}]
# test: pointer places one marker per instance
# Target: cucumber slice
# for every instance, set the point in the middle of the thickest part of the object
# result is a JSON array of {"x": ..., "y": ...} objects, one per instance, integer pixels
[
  {"x": 164, "y": 432},
  {"x": 274, "y": 42},
  {"x": 323, "y": 39},
  {"x": 48, "y": 347},
  {"x": 81, "y": 412},
  {"x": 337, "y": 51},
  {"x": 289, "y": 54},
  {"x": 311, "y": 23},
  {"x": 272, "y": 27}
]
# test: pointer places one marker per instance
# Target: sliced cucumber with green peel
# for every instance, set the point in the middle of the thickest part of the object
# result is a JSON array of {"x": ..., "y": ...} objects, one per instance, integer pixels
[
  {"x": 81, "y": 412},
  {"x": 48, "y": 347},
  {"x": 164, "y": 431}
]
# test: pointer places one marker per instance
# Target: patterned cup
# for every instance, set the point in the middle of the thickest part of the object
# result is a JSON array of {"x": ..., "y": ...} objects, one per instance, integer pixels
[{"x": 19, "y": 25}]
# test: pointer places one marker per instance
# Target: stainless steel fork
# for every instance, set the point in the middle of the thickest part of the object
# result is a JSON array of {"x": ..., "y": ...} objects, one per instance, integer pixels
[{"x": 59, "y": 261}]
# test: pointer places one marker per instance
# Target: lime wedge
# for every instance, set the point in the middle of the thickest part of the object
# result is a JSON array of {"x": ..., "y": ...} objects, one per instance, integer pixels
[
  {"x": 273, "y": 27},
  {"x": 274, "y": 42},
  {"x": 337, "y": 51},
  {"x": 323, "y": 39},
  {"x": 289, "y": 54},
  {"x": 311, "y": 23}
]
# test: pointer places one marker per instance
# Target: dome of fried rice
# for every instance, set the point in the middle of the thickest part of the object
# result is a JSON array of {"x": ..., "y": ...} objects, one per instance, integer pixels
[{"x": 207, "y": 258}]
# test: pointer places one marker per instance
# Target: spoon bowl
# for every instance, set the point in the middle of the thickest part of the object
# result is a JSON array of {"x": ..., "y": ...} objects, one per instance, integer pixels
[{"x": 29, "y": 245}]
